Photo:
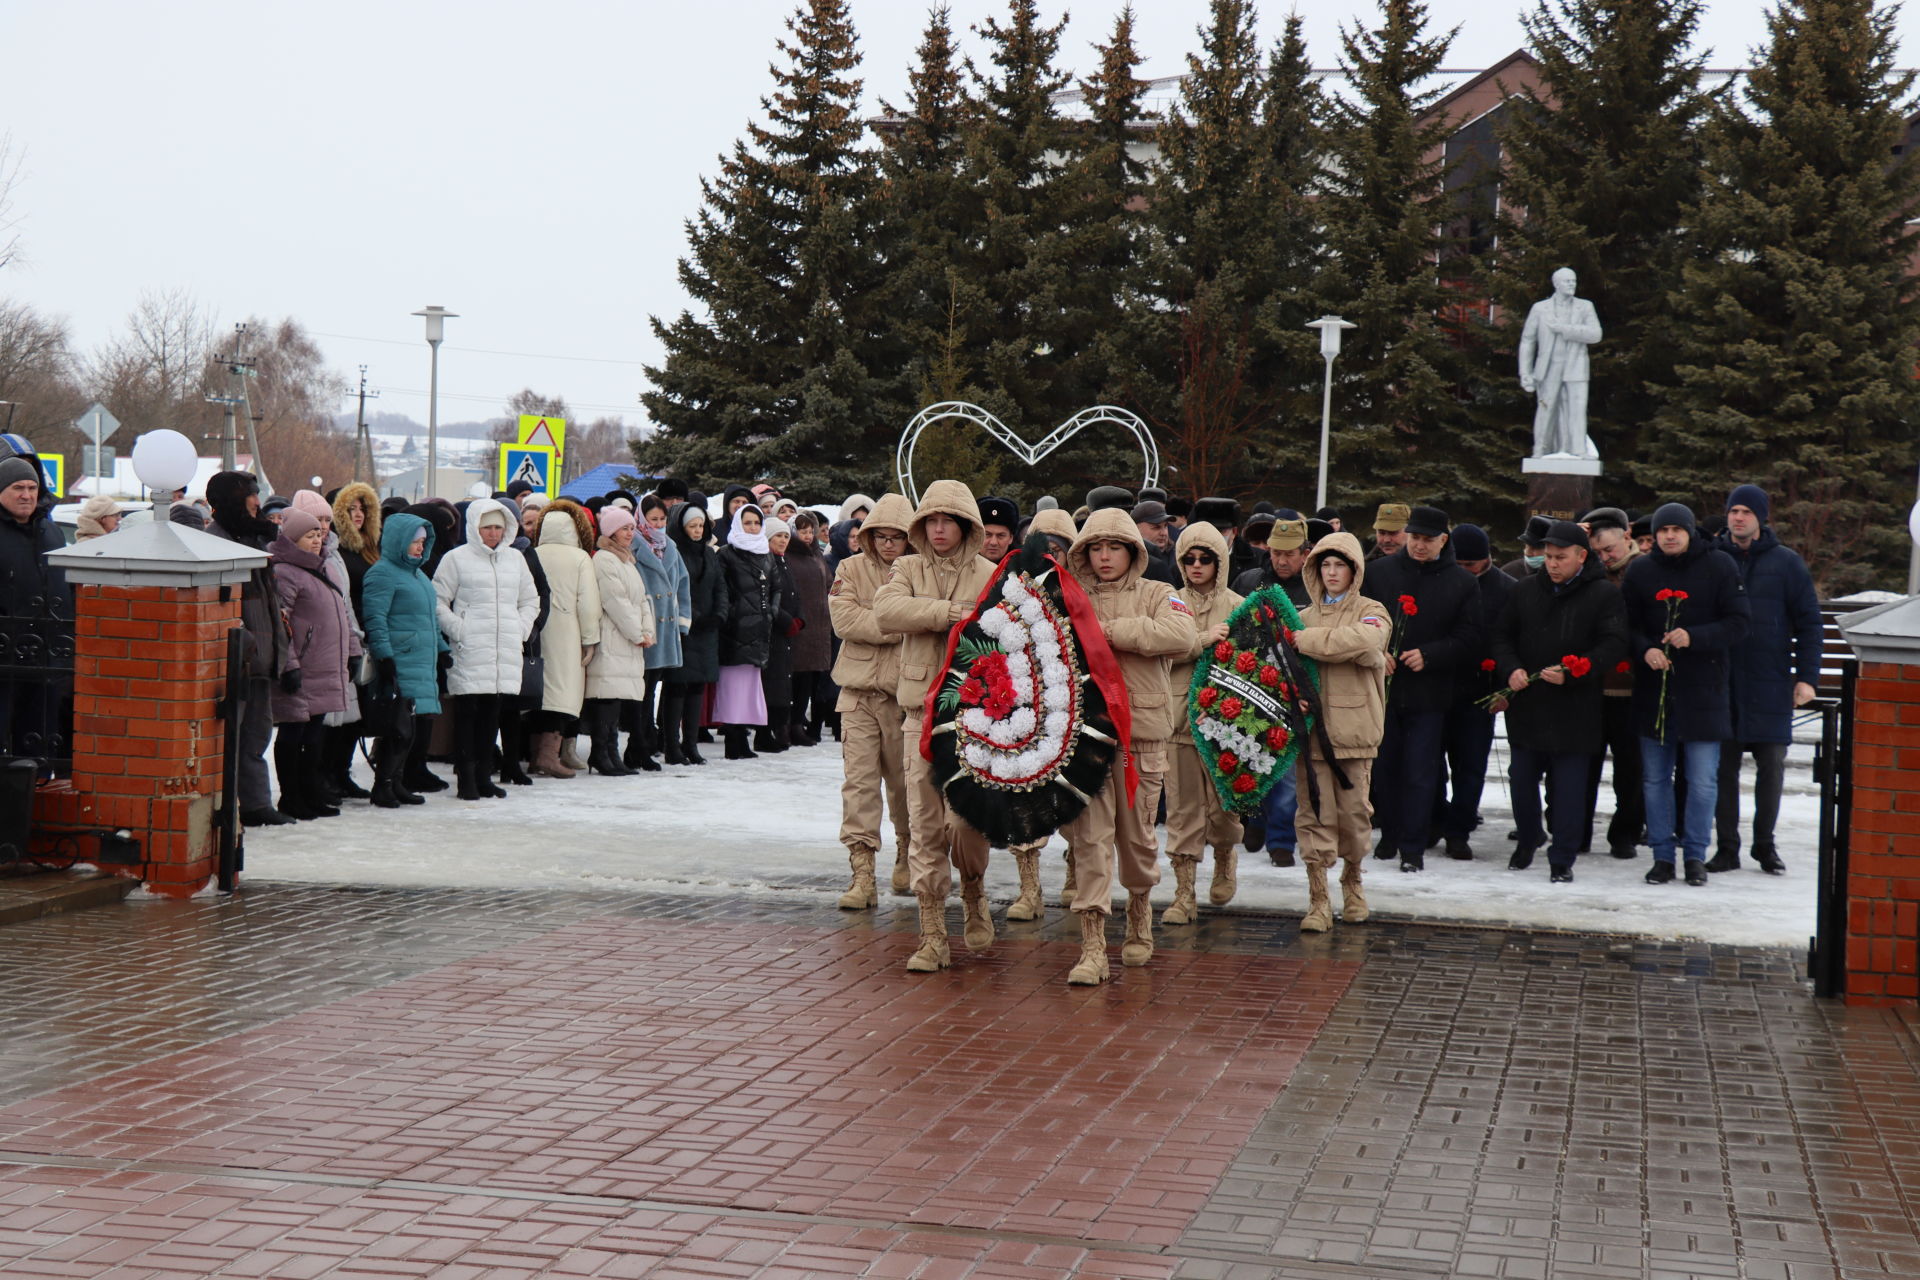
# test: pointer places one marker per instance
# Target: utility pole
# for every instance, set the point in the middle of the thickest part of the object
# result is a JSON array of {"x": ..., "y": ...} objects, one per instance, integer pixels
[
  {"x": 363, "y": 440},
  {"x": 239, "y": 369},
  {"x": 243, "y": 370}
]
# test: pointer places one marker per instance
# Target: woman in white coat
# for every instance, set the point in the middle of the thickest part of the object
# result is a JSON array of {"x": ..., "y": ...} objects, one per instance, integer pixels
[
  {"x": 572, "y": 631},
  {"x": 487, "y": 609},
  {"x": 617, "y": 676}
]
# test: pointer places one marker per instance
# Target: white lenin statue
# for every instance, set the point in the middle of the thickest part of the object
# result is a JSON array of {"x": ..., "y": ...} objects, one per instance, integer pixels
[{"x": 1553, "y": 366}]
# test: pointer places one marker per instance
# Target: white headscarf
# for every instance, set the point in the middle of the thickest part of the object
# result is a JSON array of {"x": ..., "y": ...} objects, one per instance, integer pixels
[{"x": 754, "y": 542}]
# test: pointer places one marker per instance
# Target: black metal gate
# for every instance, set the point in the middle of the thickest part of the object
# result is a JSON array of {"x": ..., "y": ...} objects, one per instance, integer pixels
[
  {"x": 36, "y": 700},
  {"x": 1833, "y": 769},
  {"x": 226, "y": 819}
]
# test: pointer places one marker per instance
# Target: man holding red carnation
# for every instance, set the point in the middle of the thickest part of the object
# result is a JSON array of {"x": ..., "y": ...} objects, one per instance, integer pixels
[
  {"x": 1686, "y": 611},
  {"x": 1562, "y": 631}
]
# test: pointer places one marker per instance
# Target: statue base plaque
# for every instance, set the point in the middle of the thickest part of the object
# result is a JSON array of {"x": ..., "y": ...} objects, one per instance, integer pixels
[{"x": 1560, "y": 486}]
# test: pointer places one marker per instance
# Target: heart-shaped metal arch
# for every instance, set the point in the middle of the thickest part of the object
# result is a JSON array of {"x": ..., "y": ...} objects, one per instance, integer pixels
[{"x": 1027, "y": 453}]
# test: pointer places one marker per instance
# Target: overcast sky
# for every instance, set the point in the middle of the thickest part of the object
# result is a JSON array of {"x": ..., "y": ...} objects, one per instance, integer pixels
[{"x": 527, "y": 166}]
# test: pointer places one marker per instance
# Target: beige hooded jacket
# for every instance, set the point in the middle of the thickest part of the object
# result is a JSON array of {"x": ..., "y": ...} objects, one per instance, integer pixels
[
  {"x": 927, "y": 593},
  {"x": 1349, "y": 642},
  {"x": 1214, "y": 605},
  {"x": 869, "y": 657},
  {"x": 1148, "y": 626}
]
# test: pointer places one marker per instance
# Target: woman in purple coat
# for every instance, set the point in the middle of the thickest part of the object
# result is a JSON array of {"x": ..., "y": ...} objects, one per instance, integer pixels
[{"x": 313, "y": 683}]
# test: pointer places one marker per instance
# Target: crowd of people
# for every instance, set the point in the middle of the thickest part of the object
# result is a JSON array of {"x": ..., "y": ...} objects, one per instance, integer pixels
[{"x": 497, "y": 633}]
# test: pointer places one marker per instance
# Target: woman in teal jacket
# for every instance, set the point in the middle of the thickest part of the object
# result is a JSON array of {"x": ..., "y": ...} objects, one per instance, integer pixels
[{"x": 403, "y": 639}]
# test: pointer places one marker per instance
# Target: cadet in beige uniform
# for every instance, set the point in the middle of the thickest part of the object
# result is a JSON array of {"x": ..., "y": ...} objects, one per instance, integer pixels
[
  {"x": 1346, "y": 634},
  {"x": 1148, "y": 627},
  {"x": 868, "y": 673},
  {"x": 926, "y": 594},
  {"x": 1195, "y": 816}
]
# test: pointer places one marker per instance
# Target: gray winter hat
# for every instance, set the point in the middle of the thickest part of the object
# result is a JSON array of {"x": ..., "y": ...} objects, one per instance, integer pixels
[{"x": 16, "y": 469}]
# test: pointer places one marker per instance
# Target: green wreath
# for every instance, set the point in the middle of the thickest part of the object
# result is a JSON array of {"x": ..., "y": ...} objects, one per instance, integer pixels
[{"x": 1253, "y": 701}]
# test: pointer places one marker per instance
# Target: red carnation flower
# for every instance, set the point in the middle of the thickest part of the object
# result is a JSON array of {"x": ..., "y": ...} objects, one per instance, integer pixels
[
  {"x": 1581, "y": 666},
  {"x": 1569, "y": 661},
  {"x": 1229, "y": 762},
  {"x": 1622, "y": 667},
  {"x": 1487, "y": 664},
  {"x": 1678, "y": 595},
  {"x": 1209, "y": 696},
  {"x": 1277, "y": 738},
  {"x": 1231, "y": 709},
  {"x": 1223, "y": 651},
  {"x": 1245, "y": 663},
  {"x": 1270, "y": 676},
  {"x": 1663, "y": 594},
  {"x": 1409, "y": 606},
  {"x": 1243, "y": 784}
]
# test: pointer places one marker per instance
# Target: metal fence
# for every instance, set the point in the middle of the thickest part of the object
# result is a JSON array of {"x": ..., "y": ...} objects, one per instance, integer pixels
[
  {"x": 1833, "y": 769},
  {"x": 36, "y": 700}
]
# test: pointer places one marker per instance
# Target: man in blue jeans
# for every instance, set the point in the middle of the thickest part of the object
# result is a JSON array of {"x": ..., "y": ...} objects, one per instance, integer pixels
[{"x": 1686, "y": 610}]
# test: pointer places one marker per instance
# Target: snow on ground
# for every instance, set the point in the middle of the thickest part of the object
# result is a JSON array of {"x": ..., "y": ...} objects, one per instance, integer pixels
[{"x": 771, "y": 826}]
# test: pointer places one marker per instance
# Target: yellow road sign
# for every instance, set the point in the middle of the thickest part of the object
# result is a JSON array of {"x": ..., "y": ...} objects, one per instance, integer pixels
[
  {"x": 533, "y": 463},
  {"x": 541, "y": 430}
]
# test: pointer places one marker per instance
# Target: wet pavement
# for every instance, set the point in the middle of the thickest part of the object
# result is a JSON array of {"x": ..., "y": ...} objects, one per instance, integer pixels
[{"x": 488, "y": 1085}]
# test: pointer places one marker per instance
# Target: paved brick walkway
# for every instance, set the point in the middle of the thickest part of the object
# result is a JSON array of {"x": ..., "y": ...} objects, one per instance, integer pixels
[{"x": 306, "y": 1082}]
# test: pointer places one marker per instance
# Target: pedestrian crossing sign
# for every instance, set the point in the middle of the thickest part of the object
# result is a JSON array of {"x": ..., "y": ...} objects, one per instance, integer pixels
[
  {"x": 55, "y": 467},
  {"x": 532, "y": 463}
]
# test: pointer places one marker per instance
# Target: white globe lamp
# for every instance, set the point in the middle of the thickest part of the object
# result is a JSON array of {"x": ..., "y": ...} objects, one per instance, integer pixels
[{"x": 165, "y": 460}]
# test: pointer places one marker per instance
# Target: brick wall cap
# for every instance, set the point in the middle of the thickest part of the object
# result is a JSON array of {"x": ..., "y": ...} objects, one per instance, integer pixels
[
  {"x": 157, "y": 554},
  {"x": 1887, "y": 632}
]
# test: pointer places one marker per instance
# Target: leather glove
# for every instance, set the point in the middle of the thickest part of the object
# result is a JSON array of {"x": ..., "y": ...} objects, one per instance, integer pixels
[
  {"x": 388, "y": 669},
  {"x": 290, "y": 680}
]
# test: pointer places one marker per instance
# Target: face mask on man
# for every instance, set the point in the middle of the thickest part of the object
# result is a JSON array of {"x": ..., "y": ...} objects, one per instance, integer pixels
[{"x": 1534, "y": 562}]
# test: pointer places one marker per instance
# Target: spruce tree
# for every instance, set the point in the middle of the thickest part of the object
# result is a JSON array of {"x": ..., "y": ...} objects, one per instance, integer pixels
[
  {"x": 773, "y": 380},
  {"x": 1797, "y": 326},
  {"x": 1598, "y": 170},
  {"x": 1401, "y": 425},
  {"x": 1227, "y": 280}
]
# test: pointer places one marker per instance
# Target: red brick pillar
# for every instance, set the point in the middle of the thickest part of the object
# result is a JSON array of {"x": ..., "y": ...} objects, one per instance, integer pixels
[
  {"x": 1883, "y": 868},
  {"x": 153, "y": 607}
]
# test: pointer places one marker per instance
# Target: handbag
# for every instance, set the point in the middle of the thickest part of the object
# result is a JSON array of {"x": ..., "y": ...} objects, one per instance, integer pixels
[
  {"x": 384, "y": 713},
  {"x": 533, "y": 671}
]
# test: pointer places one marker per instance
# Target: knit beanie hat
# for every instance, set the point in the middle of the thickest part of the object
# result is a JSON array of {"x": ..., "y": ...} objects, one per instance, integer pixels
[
  {"x": 313, "y": 504},
  {"x": 614, "y": 518},
  {"x": 297, "y": 524},
  {"x": 1752, "y": 497},
  {"x": 1675, "y": 513},
  {"x": 775, "y": 526},
  {"x": 16, "y": 469},
  {"x": 1470, "y": 542}
]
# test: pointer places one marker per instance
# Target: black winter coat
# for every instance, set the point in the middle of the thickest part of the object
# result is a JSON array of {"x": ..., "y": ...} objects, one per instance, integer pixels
[
  {"x": 711, "y": 606},
  {"x": 1254, "y": 579},
  {"x": 1447, "y": 629},
  {"x": 266, "y": 649},
  {"x": 1538, "y": 626},
  {"x": 746, "y": 639},
  {"x": 1782, "y": 646},
  {"x": 1474, "y": 681},
  {"x": 1161, "y": 567},
  {"x": 29, "y": 586},
  {"x": 776, "y": 674},
  {"x": 1715, "y": 617}
]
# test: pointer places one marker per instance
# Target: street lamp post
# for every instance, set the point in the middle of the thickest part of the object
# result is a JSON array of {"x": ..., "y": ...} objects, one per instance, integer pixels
[
  {"x": 436, "y": 317},
  {"x": 1330, "y": 327}
]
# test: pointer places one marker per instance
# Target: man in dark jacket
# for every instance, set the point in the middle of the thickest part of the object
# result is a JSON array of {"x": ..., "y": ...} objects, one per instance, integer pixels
[
  {"x": 1686, "y": 610},
  {"x": 1468, "y": 732},
  {"x": 1533, "y": 549},
  {"x": 1436, "y": 631},
  {"x": 36, "y": 615},
  {"x": 235, "y": 499},
  {"x": 1614, "y": 547},
  {"x": 1775, "y": 669},
  {"x": 1554, "y": 722},
  {"x": 1287, "y": 548}
]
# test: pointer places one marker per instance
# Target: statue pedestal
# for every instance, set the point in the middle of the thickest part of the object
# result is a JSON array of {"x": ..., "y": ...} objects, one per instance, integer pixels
[{"x": 1560, "y": 487}]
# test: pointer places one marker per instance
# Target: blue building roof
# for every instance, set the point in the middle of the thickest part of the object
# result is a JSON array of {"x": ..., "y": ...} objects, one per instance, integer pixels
[{"x": 604, "y": 478}]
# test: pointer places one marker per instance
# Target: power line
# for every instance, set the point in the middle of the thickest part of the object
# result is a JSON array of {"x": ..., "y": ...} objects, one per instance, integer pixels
[
  {"x": 484, "y": 351},
  {"x": 502, "y": 400}
]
